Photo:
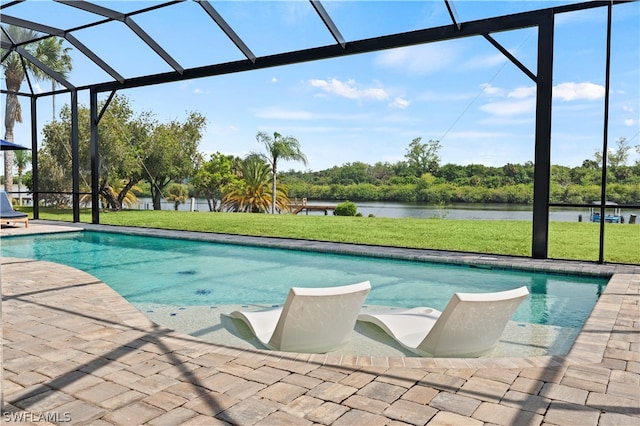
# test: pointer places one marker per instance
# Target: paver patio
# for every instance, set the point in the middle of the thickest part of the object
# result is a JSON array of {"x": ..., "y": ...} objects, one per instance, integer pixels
[{"x": 75, "y": 352}]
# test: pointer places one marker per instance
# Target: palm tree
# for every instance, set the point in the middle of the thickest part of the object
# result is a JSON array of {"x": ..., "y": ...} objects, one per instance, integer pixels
[
  {"x": 57, "y": 59},
  {"x": 51, "y": 53},
  {"x": 252, "y": 193},
  {"x": 112, "y": 191},
  {"x": 177, "y": 194},
  {"x": 279, "y": 147},
  {"x": 21, "y": 159}
]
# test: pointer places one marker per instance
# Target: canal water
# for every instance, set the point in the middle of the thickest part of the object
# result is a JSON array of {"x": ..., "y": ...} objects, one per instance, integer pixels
[{"x": 456, "y": 211}]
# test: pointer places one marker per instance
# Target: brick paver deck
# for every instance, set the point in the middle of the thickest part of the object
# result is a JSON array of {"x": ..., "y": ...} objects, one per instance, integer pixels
[{"x": 75, "y": 352}]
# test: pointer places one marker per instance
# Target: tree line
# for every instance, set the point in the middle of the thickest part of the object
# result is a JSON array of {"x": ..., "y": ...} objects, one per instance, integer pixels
[
  {"x": 142, "y": 156},
  {"x": 430, "y": 182}
]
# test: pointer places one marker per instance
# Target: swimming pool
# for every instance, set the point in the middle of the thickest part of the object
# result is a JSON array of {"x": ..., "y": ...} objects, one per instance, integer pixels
[{"x": 183, "y": 273}]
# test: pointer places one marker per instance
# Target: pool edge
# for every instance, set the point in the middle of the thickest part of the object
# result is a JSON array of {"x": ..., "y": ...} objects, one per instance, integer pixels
[{"x": 589, "y": 346}]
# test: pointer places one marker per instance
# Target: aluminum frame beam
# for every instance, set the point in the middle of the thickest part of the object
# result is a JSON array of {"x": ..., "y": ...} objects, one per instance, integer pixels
[
  {"x": 226, "y": 28},
  {"x": 94, "y": 8},
  {"x": 605, "y": 138},
  {"x": 331, "y": 26},
  {"x": 95, "y": 157},
  {"x": 35, "y": 61},
  {"x": 67, "y": 36},
  {"x": 129, "y": 22},
  {"x": 453, "y": 13},
  {"x": 542, "y": 154},
  {"x": 34, "y": 158},
  {"x": 411, "y": 38},
  {"x": 11, "y": 3},
  {"x": 512, "y": 58}
]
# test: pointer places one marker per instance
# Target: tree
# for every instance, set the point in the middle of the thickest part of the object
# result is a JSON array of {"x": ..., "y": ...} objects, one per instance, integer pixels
[
  {"x": 170, "y": 153},
  {"x": 618, "y": 157},
  {"x": 121, "y": 137},
  {"x": 423, "y": 157},
  {"x": 50, "y": 52},
  {"x": 127, "y": 198},
  {"x": 381, "y": 172},
  {"x": 215, "y": 175},
  {"x": 177, "y": 194},
  {"x": 59, "y": 62},
  {"x": 350, "y": 173},
  {"x": 54, "y": 157},
  {"x": 21, "y": 160},
  {"x": 252, "y": 194},
  {"x": 453, "y": 173},
  {"x": 279, "y": 148},
  {"x": 616, "y": 160}
]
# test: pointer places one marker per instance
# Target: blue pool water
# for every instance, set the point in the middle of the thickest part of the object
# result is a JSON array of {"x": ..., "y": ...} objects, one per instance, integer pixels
[{"x": 189, "y": 273}]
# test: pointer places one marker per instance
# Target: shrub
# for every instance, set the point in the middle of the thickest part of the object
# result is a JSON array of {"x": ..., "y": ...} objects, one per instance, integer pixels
[{"x": 346, "y": 209}]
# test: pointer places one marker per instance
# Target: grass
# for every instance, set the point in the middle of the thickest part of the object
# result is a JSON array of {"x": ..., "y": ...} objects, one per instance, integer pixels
[{"x": 567, "y": 240}]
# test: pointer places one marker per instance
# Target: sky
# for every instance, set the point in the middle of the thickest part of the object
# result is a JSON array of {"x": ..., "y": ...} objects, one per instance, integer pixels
[{"x": 368, "y": 108}]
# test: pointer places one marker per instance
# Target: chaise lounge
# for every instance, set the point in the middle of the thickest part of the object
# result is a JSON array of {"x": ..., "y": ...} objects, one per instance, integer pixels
[
  {"x": 8, "y": 215},
  {"x": 312, "y": 320},
  {"x": 470, "y": 325}
]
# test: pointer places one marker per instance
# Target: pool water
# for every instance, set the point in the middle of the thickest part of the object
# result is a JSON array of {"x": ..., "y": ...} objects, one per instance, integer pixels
[{"x": 182, "y": 273}]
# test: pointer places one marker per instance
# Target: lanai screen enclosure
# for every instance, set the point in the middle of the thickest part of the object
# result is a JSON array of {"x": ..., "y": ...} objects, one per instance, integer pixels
[{"x": 102, "y": 18}]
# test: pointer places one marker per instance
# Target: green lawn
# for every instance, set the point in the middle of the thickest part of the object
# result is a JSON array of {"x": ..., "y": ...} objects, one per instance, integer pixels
[{"x": 567, "y": 240}]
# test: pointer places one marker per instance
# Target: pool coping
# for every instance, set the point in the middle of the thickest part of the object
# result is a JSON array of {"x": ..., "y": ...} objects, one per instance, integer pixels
[
  {"x": 588, "y": 347},
  {"x": 496, "y": 261}
]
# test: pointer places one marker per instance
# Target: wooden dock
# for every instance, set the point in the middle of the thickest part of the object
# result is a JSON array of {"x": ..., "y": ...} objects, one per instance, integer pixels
[{"x": 301, "y": 205}]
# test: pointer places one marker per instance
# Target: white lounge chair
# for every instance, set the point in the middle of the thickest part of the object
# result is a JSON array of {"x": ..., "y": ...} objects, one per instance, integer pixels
[
  {"x": 313, "y": 320},
  {"x": 470, "y": 325}
]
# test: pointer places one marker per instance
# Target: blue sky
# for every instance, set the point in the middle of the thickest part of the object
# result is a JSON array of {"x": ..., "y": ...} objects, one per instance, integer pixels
[{"x": 369, "y": 107}]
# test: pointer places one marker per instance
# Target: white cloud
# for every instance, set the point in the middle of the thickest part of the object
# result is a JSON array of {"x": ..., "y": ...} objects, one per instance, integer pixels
[
  {"x": 522, "y": 92},
  {"x": 350, "y": 90},
  {"x": 423, "y": 59},
  {"x": 198, "y": 91},
  {"x": 274, "y": 79},
  {"x": 574, "y": 91},
  {"x": 508, "y": 108},
  {"x": 399, "y": 103},
  {"x": 523, "y": 99},
  {"x": 627, "y": 108},
  {"x": 563, "y": 91},
  {"x": 488, "y": 89},
  {"x": 629, "y": 122}
]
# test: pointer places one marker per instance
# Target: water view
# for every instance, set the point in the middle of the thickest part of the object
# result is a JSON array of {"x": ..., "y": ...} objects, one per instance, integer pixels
[{"x": 456, "y": 211}]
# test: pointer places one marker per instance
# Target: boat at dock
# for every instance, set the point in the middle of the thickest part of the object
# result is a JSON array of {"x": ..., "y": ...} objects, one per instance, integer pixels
[{"x": 614, "y": 217}]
